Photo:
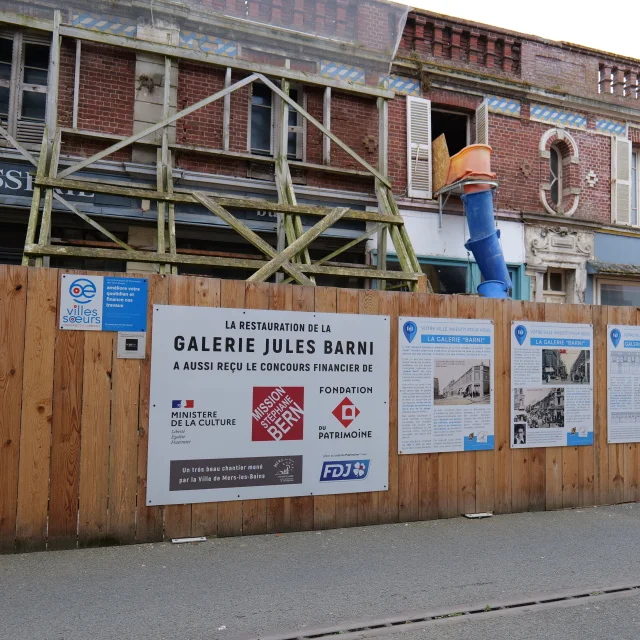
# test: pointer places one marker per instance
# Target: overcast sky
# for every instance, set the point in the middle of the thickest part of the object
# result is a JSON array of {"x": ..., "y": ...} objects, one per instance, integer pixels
[{"x": 608, "y": 26}]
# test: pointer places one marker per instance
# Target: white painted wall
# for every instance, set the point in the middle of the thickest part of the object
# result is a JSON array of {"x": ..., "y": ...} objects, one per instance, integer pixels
[{"x": 430, "y": 241}]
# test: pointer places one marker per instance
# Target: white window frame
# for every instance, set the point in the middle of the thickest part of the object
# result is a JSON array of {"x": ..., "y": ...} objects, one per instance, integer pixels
[
  {"x": 300, "y": 128},
  {"x": 555, "y": 149},
  {"x": 25, "y": 130},
  {"x": 560, "y": 295},
  {"x": 611, "y": 280}
]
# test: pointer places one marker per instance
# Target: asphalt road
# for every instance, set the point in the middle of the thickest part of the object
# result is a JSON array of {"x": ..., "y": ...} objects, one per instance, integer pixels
[{"x": 242, "y": 586}]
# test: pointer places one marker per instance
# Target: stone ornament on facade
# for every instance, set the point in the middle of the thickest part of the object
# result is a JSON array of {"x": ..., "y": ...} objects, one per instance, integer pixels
[
  {"x": 559, "y": 248},
  {"x": 568, "y": 149},
  {"x": 525, "y": 167},
  {"x": 591, "y": 178}
]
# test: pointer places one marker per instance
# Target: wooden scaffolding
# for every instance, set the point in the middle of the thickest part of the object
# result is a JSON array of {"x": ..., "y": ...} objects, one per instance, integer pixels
[{"x": 291, "y": 257}]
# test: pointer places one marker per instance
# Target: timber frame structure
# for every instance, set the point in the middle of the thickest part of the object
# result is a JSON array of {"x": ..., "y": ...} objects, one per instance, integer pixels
[{"x": 290, "y": 260}]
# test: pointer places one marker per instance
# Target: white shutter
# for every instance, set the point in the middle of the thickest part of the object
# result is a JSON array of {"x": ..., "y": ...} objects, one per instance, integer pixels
[
  {"x": 482, "y": 123},
  {"x": 419, "y": 147},
  {"x": 620, "y": 180}
]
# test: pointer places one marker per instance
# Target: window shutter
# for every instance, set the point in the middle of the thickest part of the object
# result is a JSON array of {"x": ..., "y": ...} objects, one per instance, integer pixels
[
  {"x": 482, "y": 123},
  {"x": 620, "y": 180},
  {"x": 419, "y": 147}
]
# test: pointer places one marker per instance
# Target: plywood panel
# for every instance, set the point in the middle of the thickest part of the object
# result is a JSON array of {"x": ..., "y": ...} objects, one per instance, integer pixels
[
  {"x": 94, "y": 438},
  {"x": 204, "y": 516},
  {"x": 440, "y": 158},
  {"x": 177, "y": 517},
  {"x": 65, "y": 440},
  {"x": 230, "y": 513},
  {"x": 37, "y": 401},
  {"x": 324, "y": 507},
  {"x": 149, "y": 520},
  {"x": 254, "y": 512},
  {"x": 303, "y": 299},
  {"x": 388, "y": 500},
  {"x": 13, "y": 303}
]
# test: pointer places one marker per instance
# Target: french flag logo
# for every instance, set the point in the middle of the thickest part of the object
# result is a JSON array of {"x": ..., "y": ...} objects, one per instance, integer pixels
[{"x": 182, "y": 404}]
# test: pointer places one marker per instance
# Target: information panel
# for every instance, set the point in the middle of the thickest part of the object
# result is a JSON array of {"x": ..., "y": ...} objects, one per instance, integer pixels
[
  {"x": 103, "y": 303},
  {"x": 623, "y": 383},
  {"x": 266, "y": 404},
  {"x": 445, "y": 378},
  {"x": 551, "y": 384}
]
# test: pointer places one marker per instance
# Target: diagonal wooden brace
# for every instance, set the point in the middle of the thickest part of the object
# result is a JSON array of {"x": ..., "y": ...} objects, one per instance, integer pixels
[
  {"x": 206, "y": 201},
  {"x": 303, "y": 241},
  {"x": 60, "y": 199},
  {"x": 155, "y": 127}
]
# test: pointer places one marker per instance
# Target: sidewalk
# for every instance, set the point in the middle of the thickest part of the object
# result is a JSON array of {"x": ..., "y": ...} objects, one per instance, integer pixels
[{"x": 237, "y": 586}]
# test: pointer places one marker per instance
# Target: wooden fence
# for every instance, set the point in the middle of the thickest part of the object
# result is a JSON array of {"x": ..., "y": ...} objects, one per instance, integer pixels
[{"x": 74, "y": 424}]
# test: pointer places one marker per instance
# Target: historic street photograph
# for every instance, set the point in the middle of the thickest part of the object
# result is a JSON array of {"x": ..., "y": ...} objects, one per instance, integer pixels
[
  {"x": 538, "y": 408},
  {"x": 458, "y": 382},
  {"x": 566, "y": 366}
]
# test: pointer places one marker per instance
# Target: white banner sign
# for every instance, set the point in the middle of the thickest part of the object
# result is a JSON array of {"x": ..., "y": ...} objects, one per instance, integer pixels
[
  {"x": 623, "y": 383},
  {"x": 266, "y": 404},
  {"x": 551, "y": 384},
  {"x": 445, "y": 378}
]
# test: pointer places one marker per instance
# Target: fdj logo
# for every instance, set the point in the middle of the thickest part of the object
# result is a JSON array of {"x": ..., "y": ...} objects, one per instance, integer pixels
[
  {"x": 344, "y": 470},
  {"x": 82, "y": 290}
]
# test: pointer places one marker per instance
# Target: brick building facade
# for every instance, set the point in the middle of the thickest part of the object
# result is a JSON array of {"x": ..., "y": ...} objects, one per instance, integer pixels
[{"x": 563, "y": 122}]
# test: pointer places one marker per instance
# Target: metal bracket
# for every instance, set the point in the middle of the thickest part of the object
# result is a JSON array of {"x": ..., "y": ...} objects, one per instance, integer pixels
[{"x": 457, "y": 188}]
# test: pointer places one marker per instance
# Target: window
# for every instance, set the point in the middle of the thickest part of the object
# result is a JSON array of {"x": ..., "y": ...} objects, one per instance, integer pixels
[
  {"x": 620, "y": 293},
  {"x": 263, "y": 115},
  {"x": 554, "y": 287},
  {"x": 555, "y": 175},
  {"x": 24, "y": 70},
  {"x": 446, "y": 278},
  {"x": 455, "y": 127}
]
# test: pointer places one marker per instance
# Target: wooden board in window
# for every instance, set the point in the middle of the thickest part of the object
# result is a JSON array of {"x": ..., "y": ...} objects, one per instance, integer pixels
[{"x": 440, "y": 158}]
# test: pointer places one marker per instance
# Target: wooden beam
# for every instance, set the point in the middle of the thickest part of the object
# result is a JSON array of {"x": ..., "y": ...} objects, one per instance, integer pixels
[
  {"x": 326, "y": 120},
  {"x": 226, "y": 111},
  {"x": 220, "y": 61},
  {"x": 76, "y": 84},
  {"x": 35, "y": 200},
  {"x": 298, "y": 245},
  {"x": 53, "y": 78},
  {"x": 184, "y": 196},
  {"x": 248, "y": 235},
  {"x": 234, "y": 263},
  {"x": 155, "y": 127},
  {"x": 293, "y": 104}
]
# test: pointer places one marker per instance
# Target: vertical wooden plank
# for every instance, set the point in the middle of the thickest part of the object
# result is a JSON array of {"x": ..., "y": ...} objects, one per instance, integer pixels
[
  {"x": 149, "y": 520},
  {"x": 502, "y": 381},
  {"x": 13, "y": 304},
  {"x": 123, "y": 449},
  {"x": 484, "y": 459},
  {"x": 177, "y": 517},
  {"x": 554, "y": 470},
  {"x": 94, "y": 438},
  {"x": 324, "y": 507},
  {"x": 303, "y": 299},
  {"x": 427, "y": 462},
  {"x": 617, "y": 454},
  {"x": 37, "y": 399},
  {"x": 204, "y": 516},
  {"x": 388, "y": 500},
  {"x": 447, "y": 307},
  {"x": 65, "y": 438},
  {"x": 368, "y": 503},
  {"x": 467, "y": 460},
  {"x": 230, "y": 513},
  {"x": 601, "y": 452},
  {"x": 347, "y": 503},
  {"x": 408, "y": 464},
  {"x": 254, "y": 512},
  {"x": 579, "y": 464}
]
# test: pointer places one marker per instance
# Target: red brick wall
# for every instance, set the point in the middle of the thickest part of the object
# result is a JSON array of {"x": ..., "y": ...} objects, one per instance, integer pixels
[
  {"x": 84, "y": 147},
  {"x": 107, "y": 88},
  {"x": 398, "y": 144},
  {"x": 515, "y": 146}
]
